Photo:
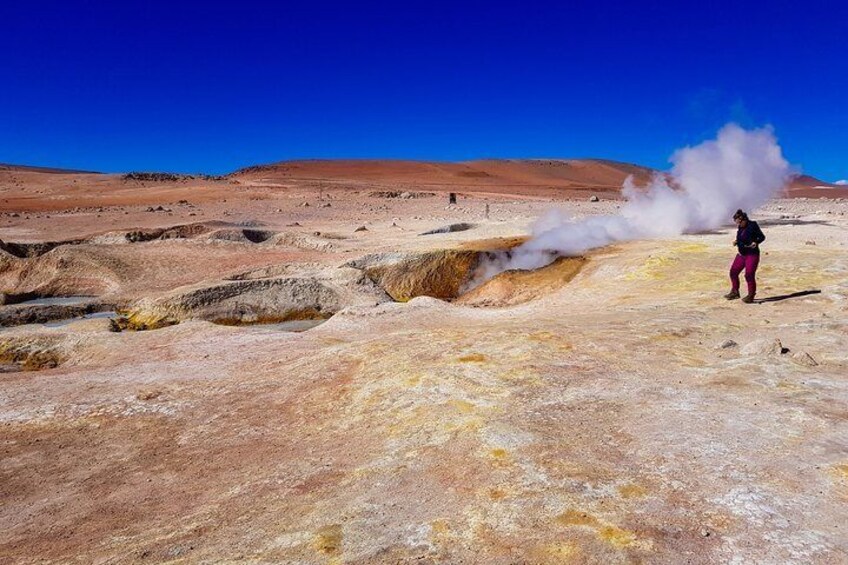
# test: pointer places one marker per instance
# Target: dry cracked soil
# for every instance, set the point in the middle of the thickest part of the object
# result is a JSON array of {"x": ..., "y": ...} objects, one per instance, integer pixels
[{"x": 169, "y": 393}]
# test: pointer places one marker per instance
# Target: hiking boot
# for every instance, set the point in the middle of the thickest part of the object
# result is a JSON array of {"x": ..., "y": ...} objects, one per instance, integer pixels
[
  {"x": 748, "y": 299},
  {"x": 732, "y": 295}
]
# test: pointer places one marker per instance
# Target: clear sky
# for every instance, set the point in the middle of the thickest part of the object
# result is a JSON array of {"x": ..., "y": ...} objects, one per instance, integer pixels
[{"x": 213, "y": 86}]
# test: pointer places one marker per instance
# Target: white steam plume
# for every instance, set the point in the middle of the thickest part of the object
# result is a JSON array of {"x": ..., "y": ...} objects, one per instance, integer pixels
[{"x": 708, "y": 182}]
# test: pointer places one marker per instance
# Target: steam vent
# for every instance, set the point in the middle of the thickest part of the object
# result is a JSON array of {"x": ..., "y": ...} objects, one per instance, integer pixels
[{"x": 326, "y": 363}]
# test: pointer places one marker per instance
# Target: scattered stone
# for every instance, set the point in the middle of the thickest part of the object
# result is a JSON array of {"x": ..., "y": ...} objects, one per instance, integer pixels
[
  {"x": 305, "y": 205},
  {"x": 762, "y": 347},
  {"x": 727, "y": 344},
  {"x": 462, "y": 226},
  {"x": 325, "y": 205},
  {"x": 809, "y": 242},
  {"x": 399, "y": 194},
  {"x": 165, "y": 177},
  {"x": 149, "y": 395},
  {"x": 361, "y": 228},
  {"x": 804, "y": 358},
  {"x": 594, "y": 198}
]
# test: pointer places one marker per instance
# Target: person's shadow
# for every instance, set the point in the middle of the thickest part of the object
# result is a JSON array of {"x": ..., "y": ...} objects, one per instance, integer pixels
[{"x": 787, "y": 296}]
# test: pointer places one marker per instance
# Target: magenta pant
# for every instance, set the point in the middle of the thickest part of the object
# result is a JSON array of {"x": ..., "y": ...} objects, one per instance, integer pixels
[{"x": 749, "y": 263}]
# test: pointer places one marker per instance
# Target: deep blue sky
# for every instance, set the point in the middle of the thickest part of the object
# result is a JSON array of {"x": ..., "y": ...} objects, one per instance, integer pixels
[{"x": 212, "y": 86}]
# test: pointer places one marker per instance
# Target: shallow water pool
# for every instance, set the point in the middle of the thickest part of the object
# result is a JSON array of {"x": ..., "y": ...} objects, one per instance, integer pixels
[
  {"x": 92, "y": 316},
  {"x": 55, "y": 301},
  {"x": 290, "y": 326}
]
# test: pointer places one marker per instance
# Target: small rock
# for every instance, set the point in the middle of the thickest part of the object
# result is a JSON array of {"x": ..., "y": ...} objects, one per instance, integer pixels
[
  {"x": 809, "y": 242},
  {"x": 305, "y": 205},
  {"x": 149, "y": 395},
  {"x": 764, "y": 347},
  {"x": 361, "y": 228},
  {"x": 804, "y": 358},
  {"x": 726, "y": 344},
  {"x": 325, "y": 205},
  {"x": 594, "y": 198}
]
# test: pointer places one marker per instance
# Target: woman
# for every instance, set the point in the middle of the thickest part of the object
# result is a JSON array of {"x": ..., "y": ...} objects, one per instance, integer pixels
[{"x": 748, "y": 240}]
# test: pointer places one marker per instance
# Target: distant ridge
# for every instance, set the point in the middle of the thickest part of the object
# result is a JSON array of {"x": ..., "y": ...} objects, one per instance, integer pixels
[
  {"x": 497, "y": 175},
  {"x": 51, "y": 170},
  {"x": 537, "y": 176}
]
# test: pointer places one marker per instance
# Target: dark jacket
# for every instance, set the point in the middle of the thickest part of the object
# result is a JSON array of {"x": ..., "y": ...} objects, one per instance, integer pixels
[{"x": 746, "y": 236}]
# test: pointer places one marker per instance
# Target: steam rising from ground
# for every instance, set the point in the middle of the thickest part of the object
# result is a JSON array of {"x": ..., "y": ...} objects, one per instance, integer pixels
[{"x": 708, "y": 182}]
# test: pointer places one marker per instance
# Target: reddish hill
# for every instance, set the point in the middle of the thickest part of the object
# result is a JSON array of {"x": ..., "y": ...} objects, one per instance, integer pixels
[
  {"x": 495, "y": 175},
  {"x": 811, "y": 187},
  {"x": 532, "y": 177},
  {"x": 41, "y": 188},
  {"x": 570, "y": 173}
]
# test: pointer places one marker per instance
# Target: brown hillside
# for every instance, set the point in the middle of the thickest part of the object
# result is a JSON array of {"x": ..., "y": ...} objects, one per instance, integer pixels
[{"x": 490, "y": 175}]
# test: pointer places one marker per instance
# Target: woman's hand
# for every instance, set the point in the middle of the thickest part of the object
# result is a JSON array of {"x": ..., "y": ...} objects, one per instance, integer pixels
[
  {"x": 753, "y": 245},
  {"x": 734, "y": 242}
]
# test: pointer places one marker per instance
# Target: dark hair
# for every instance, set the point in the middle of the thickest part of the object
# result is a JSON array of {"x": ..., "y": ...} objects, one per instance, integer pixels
[{"x": 740, "y": 215}]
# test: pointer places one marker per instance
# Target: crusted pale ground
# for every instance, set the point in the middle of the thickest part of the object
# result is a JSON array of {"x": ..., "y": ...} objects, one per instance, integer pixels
[{"x": 598, "y": 423}]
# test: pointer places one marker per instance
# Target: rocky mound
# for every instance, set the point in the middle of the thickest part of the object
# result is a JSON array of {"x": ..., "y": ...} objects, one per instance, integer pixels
[
  {"x": 31, "y": 352},
  {"x": 252, "y": 301},
  {"x": 514, "y": 287},
  {"x": 439, "y": 274}
]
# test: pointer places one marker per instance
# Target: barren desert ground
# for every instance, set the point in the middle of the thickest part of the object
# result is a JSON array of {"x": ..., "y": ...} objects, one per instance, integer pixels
[{"x": 157, "y": 406}]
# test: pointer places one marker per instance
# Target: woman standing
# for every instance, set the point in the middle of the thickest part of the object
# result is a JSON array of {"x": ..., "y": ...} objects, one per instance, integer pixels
[{"x": 749, "y": 236}]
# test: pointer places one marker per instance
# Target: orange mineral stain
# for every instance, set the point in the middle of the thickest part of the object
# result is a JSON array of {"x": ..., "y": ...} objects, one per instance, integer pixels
[{"x": 473, "y": 358}]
